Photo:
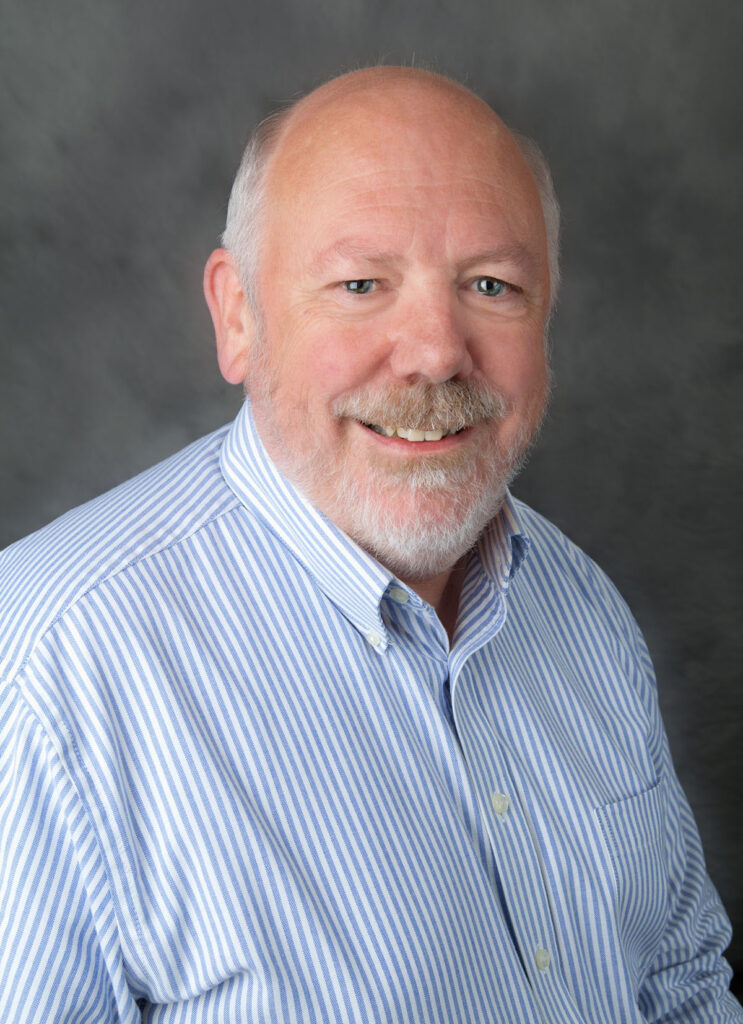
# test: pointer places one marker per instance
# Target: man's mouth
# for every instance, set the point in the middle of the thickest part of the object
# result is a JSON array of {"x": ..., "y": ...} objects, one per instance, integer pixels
[{"x": 412, "y": 433}]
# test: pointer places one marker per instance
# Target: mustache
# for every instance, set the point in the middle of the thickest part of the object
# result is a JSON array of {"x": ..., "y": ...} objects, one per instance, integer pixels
[{"x": 449, "y": 406}]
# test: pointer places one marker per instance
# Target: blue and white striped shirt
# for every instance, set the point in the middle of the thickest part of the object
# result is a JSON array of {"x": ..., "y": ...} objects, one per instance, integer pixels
[{"x": 246, "y": 779}]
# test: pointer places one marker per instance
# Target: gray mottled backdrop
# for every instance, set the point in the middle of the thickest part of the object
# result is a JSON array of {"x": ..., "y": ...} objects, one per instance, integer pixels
[{"x": 122, "y": 124}]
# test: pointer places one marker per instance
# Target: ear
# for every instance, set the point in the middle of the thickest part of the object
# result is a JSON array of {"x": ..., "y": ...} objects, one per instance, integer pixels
[{"x": 233, "y": 319}]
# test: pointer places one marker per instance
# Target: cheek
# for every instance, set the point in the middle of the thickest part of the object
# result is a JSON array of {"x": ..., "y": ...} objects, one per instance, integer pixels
[
  {"x": 534, "y": 375},
  {"x": 337, "y": 361},
  {"x": 520, "y": 373}
]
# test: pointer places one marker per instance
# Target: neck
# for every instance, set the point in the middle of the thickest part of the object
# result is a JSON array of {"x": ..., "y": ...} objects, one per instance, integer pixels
[{"x": 442, "y": 592}]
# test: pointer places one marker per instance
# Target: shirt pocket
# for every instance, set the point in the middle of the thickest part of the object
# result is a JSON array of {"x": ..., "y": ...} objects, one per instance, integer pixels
[{"x": 634, "y": 834}]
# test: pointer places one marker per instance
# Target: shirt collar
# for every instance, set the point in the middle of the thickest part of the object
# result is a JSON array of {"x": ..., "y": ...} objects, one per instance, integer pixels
[
  {"x": 503, "y": 546},
  {"x": 348, "y": 576}
]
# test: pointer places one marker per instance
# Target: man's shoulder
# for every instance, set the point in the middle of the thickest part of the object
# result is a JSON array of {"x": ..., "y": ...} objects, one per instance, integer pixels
[
  {"x": 558, "y": 564},
  {"x": 43, "y": 574}
]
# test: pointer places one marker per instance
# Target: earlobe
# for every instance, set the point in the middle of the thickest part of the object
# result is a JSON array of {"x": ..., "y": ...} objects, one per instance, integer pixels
[{"x": 233, "y": 319}]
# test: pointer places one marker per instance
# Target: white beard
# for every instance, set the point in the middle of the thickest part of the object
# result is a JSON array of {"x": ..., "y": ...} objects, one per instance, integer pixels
[
  {"x": 418, "y": 519},
  {"x": 418, "y": 547}
]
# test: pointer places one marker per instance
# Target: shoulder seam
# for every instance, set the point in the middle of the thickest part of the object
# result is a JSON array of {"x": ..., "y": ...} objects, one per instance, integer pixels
[{"x": 173, "y": 542}]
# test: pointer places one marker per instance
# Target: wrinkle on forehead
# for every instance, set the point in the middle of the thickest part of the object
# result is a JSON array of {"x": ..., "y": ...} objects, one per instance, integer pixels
[
  {"x": 394, "y": 180},
  {"x": 375, "y": 158}
]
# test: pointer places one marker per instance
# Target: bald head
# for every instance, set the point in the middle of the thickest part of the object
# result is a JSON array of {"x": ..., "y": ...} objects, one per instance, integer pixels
[
  {"x": 364, "y": 110},
  {"x": 386, "y": 93}
]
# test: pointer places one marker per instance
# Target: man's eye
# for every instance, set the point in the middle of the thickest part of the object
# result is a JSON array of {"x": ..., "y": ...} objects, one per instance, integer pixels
[
  {"x": 362, "y": 286},
  {"x": 490, "y": 286}
]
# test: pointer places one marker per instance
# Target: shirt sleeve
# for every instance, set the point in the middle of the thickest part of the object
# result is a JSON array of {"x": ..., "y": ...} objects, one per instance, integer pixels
[
  {"x": 59, "y": 955},
  {"x": 689, "y": 979}
]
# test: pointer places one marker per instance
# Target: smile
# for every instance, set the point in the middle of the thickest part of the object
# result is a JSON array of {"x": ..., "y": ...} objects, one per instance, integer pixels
[{"x": 410, "y": 433}]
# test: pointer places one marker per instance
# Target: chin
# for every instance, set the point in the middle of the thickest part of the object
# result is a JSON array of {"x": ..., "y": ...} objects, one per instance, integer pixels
[{"x": 424, "y": 534}]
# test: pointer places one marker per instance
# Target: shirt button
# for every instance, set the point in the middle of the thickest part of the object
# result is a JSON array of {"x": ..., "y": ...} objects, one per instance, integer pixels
[
  {"x": 499, "y": 802},
  {"x": 399, "y": 595},
  {"x": 374, "y": 638},
  {"x": 542, "y": 959}
]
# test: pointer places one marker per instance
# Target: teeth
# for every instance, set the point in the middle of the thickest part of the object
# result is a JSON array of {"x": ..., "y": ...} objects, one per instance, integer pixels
[{"x": 409, "y": 433}]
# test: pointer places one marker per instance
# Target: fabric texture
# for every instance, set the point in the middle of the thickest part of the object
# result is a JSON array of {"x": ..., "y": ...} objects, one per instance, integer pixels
[{"x": 246, "y": 778}]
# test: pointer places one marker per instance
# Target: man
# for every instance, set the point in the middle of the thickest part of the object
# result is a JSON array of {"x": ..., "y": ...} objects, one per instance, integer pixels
[{"x": 314, "y": 722}]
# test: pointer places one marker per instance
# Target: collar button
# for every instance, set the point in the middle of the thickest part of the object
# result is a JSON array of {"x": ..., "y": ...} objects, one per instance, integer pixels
[{"x": 374, "y": 638}]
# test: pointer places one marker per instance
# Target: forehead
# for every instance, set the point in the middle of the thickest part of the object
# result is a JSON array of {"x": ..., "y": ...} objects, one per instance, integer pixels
[{"x": 421, "y": 154}]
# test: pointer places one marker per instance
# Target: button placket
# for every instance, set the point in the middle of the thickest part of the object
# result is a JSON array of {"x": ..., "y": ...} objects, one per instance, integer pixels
[
  {"x": 515, "y": 845},
  {"x": 517, "y": 858}
]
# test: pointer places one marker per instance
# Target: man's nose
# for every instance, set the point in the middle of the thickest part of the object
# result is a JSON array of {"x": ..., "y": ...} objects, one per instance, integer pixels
[{"x": 429, "y": 341}]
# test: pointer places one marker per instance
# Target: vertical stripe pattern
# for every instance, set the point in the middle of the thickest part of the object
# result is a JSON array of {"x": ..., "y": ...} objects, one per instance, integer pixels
[{"x": 245, "y": 778}]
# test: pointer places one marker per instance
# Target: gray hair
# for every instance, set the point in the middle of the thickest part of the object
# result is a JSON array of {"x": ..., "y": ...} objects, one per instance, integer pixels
[
  {"x": 537, "y": 163},
  {"x": 247, "y": 198},
  {"x": 241, "y": 235}
]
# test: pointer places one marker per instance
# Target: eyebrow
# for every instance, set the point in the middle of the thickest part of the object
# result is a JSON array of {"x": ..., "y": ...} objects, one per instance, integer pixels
[
  {"x": 354, "y": 248},
  {"x": 517, "y": 254}
]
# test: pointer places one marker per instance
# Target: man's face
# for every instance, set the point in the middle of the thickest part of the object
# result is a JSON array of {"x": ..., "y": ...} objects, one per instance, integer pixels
[{"x": 403, "y": 286}]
